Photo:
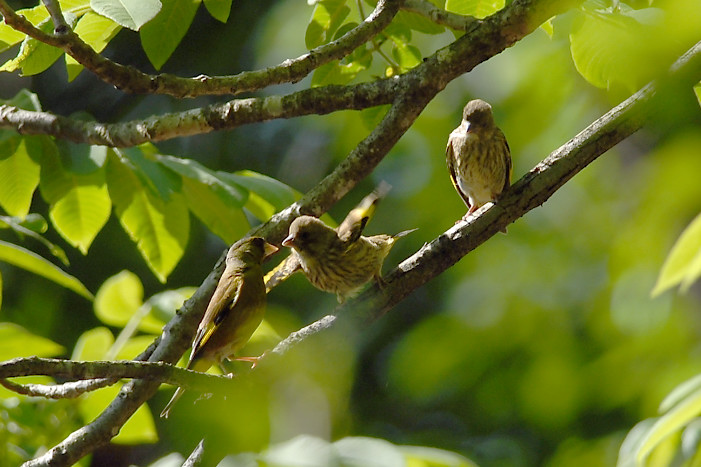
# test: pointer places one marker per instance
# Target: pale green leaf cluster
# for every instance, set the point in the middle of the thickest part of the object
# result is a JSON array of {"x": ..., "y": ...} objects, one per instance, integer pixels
[
  {"x": 683, "y": 265},
  {"x": 674, "y": 437},
  {"x": 311, "y": 451},
  {"x": 152, "y": 195},
  {"x": 162, "y": 24}
]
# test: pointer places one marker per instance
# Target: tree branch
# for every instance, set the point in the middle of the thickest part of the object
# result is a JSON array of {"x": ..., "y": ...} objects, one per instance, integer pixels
[
  {"x": 109, "y": 371},
  {"x": 131, "y": 80}
]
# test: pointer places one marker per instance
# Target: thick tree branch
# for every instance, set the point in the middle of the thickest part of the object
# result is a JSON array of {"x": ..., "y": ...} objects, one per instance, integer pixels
[{"x": 129, "y": 79}]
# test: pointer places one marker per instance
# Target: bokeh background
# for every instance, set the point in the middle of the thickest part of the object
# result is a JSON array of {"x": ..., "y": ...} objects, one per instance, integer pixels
[{"x": 541, "y": 347}]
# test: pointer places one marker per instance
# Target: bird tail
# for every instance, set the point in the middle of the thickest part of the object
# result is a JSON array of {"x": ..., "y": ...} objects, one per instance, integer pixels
[
  {"x": 403, "y": 233},
  {"x": 166, "y": 411}
]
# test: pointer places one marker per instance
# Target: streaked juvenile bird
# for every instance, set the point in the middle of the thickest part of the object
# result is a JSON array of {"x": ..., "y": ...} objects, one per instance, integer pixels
[
  {"x": 334, "y": 264},
  {"x": 478, "y": 157},
  {"x": 348, "y": 231},
  {"x": 234, "y": 312}
]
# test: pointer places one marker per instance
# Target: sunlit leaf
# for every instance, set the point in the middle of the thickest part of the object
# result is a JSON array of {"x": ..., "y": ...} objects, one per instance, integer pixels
[
  {"x": 219, "y": 9},
  {"x": 79, "y": 204},
  {"x": 368, "y": 451},
  {"x": 613, "y": 49},
  {"x": 407, "y": 56},
  {"x": 118, "y": 298},
  {"x": 672, "y": 421},
  {"x": 36, "y": 223},
  {"x": 476, "y": 8},
  {"x": 160, "y": 229},
  {"x": 131, "y": 14},
  {"x": 161, "y": 36},
  {"x": 9, "y": 36},
  {"x": 93, "y": 344},
  {"x": 32, "y": 262},
  {"x": 422, "y": 456},
  {"x": 15, "y": 342},
  {"x": 327, "y": 17},
  {"x": 19, "y": 175},
  {"x": 683, "y": 265},
  {"x": 35, "y": 56}
]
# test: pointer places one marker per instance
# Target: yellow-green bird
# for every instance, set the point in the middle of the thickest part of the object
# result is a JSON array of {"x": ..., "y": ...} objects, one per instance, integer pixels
[
  {"x": 334, "y": 264},
  {"x": 234, "y": 312},
  {"x": 478, "y": 157}
]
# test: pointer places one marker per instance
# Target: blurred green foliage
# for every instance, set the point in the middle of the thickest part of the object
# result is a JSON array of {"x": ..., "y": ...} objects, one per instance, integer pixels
[{"x": 542, "y": 347}]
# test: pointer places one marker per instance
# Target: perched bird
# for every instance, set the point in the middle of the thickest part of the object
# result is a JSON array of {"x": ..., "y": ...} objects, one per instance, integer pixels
[
  {"x": 334, "y": 264},
  {"x": 234, "y": 312},
  {"x": 478, "y": 157},
  {"x": 348, "y": 231}
]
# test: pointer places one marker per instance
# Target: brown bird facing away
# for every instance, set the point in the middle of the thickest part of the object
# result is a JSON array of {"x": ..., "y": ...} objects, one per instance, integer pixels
[
  {"x": 334, "y": 264},
  {"x": 234, "y": 312},
  {"x": 478, "y": 157},
  {"x": 348, "y": 231}
]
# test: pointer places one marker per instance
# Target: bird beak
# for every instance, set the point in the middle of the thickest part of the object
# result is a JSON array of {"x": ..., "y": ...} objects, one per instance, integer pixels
[
  {"x": 269, "y": 249},
  {"x": 289, "y": 241},
  {"x": 468, "y": 126}
]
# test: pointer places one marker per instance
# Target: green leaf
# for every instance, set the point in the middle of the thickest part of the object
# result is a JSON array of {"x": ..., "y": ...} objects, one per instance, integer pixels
[
  {"x": 15, "y": 342},
  {"x": 159, "y": 228},
  {"x": 219, "y": 9},
  {"x": 97, "y": 31},
  {"x": 680, "y": 393},
  {"x": 215, "y": 202},
  {"x": 407, "y": 56},
  {"x": 19, "y": 175},
  {"x": 36, "y": 224},
  {"x": 10, "y": 37},
  {"x": 432, "y": 457},
  {"x": 631, "y": 444},
  {"x": 683, "y": 265},
  {"x": 93, "y": 345},
  {"x": 79, "y": 205},
  {"x": 162, "y": 306},
  {"x": 131, "y": 14},
  {"x": 145, "y": 165},
  {"x": 327, "y": 17},
  {"x": 372, "y": 116},
  {"x": 548, "y": 28},
  {"x": 477, "y": 8},
  {"x": 697, "y": 91},
  {"x": 118, "y": 298},
  {"x": 32, "y": 262},
  {"x": 82, "y": 158},
  {"x": 34, "y": 56},
  {"x": 616, "y": 49},
  {"x": 418, "y": 23},
  {"x": 24, "y": 100},
  {"x": 368, "y": 451},
  {"x": 674, "y": 420},
  {"x": 161, "y": 36},
  {"x": 268, "y": 195},
  {"x": 231, "y": 193},
  {"x": 336, "y": 73}
]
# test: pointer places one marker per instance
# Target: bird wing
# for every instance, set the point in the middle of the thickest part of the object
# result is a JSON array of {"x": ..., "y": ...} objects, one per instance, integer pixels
[
  {"x": 221, "y": 304},
  {"x": 452, "y": 169},
  {"x": 282, "y": 271},
  {"x": 353, "y": 225},
  {"x": 509, "y": 164}
]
